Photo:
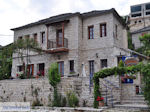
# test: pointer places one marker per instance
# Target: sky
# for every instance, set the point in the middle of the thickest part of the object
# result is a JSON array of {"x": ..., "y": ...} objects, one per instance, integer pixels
[{"x": 15, "y": 13}]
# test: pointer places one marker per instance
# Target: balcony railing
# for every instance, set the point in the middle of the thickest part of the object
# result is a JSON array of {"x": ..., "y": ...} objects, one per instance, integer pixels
[{"x": 57, "y": 45}]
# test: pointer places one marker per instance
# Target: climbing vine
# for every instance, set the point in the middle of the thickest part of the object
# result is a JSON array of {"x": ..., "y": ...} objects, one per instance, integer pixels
[{"x": 118, "y": 71}]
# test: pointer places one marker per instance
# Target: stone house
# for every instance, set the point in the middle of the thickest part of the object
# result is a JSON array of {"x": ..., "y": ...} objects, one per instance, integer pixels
[
  {"x": 136, "y": 34},
  {"x": 81, "y": 44},
  {"x": 73, "y": 39}
]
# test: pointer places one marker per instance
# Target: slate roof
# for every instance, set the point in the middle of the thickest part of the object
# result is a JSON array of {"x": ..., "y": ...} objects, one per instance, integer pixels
[
  {"x": 141, "y": 30},
  {"x": 66, "y": 16}
]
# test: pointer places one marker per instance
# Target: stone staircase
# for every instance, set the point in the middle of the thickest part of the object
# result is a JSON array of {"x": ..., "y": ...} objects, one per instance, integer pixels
[
  {"x": 108, "y": 89},
  {"x": 135, "y": 102}
]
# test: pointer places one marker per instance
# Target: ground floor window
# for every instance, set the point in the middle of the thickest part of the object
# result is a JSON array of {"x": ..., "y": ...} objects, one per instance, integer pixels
[
  {"x": 41, "y": 68},
  {"x": 30, "y": 70},
  {"x": 71, "y": 62},
  {"x": 61, "y": 68},
  {"x": 103, "y": 63},
  {"x": 19, "y": 68},
  {"x": 91, "y": 71}
]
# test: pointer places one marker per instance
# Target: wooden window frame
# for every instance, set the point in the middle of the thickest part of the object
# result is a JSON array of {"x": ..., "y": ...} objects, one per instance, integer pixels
[
  {"x": 89, "y": 36},
  {"x": 105, "y": 29}
]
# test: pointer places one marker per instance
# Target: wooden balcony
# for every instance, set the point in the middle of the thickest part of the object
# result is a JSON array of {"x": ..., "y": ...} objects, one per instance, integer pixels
[{"x": 55, "y": 46}]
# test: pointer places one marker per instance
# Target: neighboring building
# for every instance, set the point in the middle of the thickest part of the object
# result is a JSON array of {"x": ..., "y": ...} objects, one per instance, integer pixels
[
  {"x": 73, "y": 39},
  {"x": 139, "y": 16},
  {"x": 136, "y": 34}
]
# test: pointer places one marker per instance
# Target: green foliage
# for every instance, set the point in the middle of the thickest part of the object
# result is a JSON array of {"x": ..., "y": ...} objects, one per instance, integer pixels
[
  {"x": 54, "y": 76},
  {"x": 54, "y": 79},
  {"x": 146, "y": 80},
  {"x": 5, "y": 61},
  {"x": 36, "y": 103},
  {"x": 64, "y": 102},
  {"x": 121, "y": 64},
  {"x": 23, "y": 47},
  {"x": 145, "y": 48},
  {"x": 119, "y": 70},
  {"x": 72, "y": 99}
]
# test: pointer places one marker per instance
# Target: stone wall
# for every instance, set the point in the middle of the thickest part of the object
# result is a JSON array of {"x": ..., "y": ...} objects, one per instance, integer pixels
[{"x": 21, "y": 90}]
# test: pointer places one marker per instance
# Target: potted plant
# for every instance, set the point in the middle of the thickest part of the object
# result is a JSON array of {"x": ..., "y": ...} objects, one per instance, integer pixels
[{"x": 101, "y": 101}]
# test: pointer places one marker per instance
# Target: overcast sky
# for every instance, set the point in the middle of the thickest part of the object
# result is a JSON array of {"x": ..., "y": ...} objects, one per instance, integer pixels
[{"x": 14, "y": 13}]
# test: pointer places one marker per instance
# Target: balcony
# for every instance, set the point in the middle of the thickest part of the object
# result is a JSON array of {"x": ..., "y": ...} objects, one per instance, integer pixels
[{"x": 57, "y": 45}]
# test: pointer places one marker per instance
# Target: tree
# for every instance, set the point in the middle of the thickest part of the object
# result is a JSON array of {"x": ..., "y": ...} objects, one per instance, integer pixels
[
  {"x": 54, "y": 79},
  {"x": 23, "y": 47},
  {"x": 5, "y": 61},
  {"x": 145, "y": 48}
]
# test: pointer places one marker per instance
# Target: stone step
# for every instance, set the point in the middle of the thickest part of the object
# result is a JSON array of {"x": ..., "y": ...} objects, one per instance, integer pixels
[
  {"x": 133, "y": 106},
  {"x": 133, "y": 102}
]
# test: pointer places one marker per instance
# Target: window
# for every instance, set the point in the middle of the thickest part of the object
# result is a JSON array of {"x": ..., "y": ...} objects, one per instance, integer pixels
[
  {"x": 103, "y": 30},
  {"x": 20, "y": 68},
  {"x": 147, "y": 6},
  {"x": 30, "y": 70},
  {"x": 136, "y": 15},
  {"x": 41, "y": 67},
  {"x": 135, "y": 8},
  {"x": 116, "y": 31},
  {"x": 148, "y": 13},
  {"x": 91, "y": 32},
  {"x": 91, "y": 67},
  {"x": 59, "y": 38},
  {"x": 71, "y": 65},
  {"x": 35, "y": 37},
  {"x": 20, "y": 38},
  {"x": 103, "y": 63},
  {"x": 42, "y": 37},
  {"x": 61, "y": 68},
  {"x": 91, "y": 71}
]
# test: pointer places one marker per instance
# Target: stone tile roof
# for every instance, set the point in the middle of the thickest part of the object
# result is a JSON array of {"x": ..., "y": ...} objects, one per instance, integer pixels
[
  {"x": 66, "y": 16},
  {"x": 141, "y": 30}
]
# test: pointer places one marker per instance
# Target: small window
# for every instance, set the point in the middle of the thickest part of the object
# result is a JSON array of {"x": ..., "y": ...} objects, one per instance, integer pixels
[
  {"x": 41, "y": 68},
  {"x": 20, "y": 68},
  {"x": 116, "y": 30},
  {"x": 71, "y": 66},
  {"x": 91, "y": 32},
  {"x": 148, "y": 13},
  {"x": 103, "y": 63},
  {"x": 42, "y": 37},
  {"x": 20, "y": 38},
  {"x": 35, "y": 37},
  {"x": 136, "y": 15},
  {"x": 103, "y": 31}
]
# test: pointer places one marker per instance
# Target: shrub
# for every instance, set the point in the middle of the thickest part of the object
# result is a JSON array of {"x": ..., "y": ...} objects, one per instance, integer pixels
[
  {"x": 36, "y": 103},
  {"x": 72, "y": 99},
  {"x": 64, "y": 102}
]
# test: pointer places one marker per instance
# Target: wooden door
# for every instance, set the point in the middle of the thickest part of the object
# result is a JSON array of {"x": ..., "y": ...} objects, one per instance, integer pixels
[
  {"x": 61, "y": 68},
  {"x": 59, "y": 39}
]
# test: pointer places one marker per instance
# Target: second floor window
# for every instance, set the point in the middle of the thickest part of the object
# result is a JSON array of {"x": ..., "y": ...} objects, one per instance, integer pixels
[
  {"x": 91, "y": 32},
  {"x": 42, "y": 37},
  {"x": 103, "y": 30}
]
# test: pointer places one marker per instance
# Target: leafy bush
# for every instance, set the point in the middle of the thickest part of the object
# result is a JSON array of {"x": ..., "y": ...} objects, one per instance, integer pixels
[
  {"x": 72, "y": 99},
  {"x": 64, "y": 102},
  {"x": 36, "y": 103}
]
